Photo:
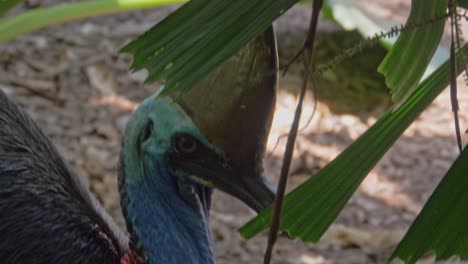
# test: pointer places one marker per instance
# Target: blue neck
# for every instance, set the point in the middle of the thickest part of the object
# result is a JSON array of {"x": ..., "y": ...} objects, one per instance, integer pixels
[{"x": 170, "y": 229}]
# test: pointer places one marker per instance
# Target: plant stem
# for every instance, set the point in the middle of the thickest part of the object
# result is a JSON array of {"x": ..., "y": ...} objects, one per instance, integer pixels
[
  {"x": 453, "y": 72},
  {"x": 307, "y": 52},
  {"x": 42, "y": 17}
]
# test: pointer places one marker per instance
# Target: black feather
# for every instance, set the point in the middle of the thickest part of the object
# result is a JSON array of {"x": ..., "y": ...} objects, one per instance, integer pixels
[{"x": 46, "y": 215}]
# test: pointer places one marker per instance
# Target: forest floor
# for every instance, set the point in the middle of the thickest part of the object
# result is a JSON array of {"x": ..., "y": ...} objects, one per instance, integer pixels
[{"x": 76, "y": 85}]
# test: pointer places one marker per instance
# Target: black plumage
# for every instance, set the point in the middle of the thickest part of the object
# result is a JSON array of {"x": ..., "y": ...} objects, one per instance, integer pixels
[{"x": 47, "y": 216}]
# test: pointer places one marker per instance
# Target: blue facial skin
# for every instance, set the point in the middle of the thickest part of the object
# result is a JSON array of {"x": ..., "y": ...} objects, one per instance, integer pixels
[{"x": 167, "y": 208}]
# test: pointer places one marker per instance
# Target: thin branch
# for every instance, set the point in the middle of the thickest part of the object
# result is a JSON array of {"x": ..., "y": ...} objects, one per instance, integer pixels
[
  {"x": 460, "y": 40},
  {"x": 309, "y": 120},
  {"x": 278, "y": 203},
  {"x": 307, "y": 43},
  {"x": 371, "y": 41},
  {"x": 453, "y": 72}
]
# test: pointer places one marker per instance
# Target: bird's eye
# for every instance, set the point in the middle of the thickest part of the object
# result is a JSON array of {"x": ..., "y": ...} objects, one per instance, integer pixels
[
  {"x": 147, "y": 132},
  {"x": 186, "y": 144}
]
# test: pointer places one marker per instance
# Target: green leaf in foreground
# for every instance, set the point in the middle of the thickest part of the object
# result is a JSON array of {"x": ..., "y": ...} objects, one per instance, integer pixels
[
  {"x": 311, "y": 208},
  {"x": 42, "y": 17},
  {"x": 187, "y": 45},
  {"x": 6, "y": 5},
  {"x": 409, "y": 57},
  {"x": 352, "y": 15},
  {"x": 442, "y": 225}
]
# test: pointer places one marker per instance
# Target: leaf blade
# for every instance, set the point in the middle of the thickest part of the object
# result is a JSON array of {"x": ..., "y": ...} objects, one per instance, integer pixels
[
  {"x": 39, "y": 18},
  {"x": 6, "y": 5},
  {"x": 214, "y": 31},
  {"x": 433, "y": 228},
  {"x": 311, "y": 208},
  {"x": 406, "y": 62}
]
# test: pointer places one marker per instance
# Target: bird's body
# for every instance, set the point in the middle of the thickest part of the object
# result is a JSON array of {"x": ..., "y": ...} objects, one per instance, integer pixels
[
  {"x": 168, "y": 166},
  {"x": 43, "y": 204}
]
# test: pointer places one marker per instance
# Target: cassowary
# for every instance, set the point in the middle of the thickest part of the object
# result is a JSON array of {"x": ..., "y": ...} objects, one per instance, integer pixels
[{"x": 174, "y": 152}]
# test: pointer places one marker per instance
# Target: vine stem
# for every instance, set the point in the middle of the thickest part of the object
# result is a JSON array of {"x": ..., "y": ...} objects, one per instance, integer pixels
[
  {"x": 307, "y": 52},
  {"x": 453, "y": 72},
  {"x": 39, "y": 18}
]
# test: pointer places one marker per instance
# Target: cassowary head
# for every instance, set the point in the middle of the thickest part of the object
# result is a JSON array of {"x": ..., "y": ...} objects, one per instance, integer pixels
[{"x": 178, "y": 148}]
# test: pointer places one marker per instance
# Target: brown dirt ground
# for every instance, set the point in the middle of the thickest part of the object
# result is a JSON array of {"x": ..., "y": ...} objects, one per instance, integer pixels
[{"x": 73, "y": 82}]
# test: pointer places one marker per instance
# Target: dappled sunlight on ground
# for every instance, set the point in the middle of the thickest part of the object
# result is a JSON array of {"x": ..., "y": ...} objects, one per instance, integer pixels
[
  {"x": 380, "y": 188},
  {"x": 116, "y": 101}
]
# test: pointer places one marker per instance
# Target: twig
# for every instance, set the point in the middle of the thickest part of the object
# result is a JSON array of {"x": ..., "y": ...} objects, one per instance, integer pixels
[
  {"x": 371, "y": 41},
  {"x": 453, "y": 72},
  {"x": 42, "y": 88},
  {"x": 307, "y": 43},
  {"x": 460, "y": 40},
  {"x": 278, "y": 203},
  {"x": 309, "y": 120}
]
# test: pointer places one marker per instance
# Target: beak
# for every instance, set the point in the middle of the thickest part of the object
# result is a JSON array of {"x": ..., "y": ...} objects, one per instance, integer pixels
[
  {"x": 234, "y": 108},
  {"x": 209, "y": 169}
]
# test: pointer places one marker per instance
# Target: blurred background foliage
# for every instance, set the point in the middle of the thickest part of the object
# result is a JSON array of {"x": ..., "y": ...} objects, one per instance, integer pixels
[{"x": 352, "y": 87}]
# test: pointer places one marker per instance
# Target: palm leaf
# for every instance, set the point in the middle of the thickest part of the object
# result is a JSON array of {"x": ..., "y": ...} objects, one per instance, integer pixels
[
  {"x": 442, "y": 225},
  {"x": 6, "y": 5},
  {"x": 353, "y": 15},
  {"x": 311, "y": 208},
  {"x": 409, "y": 57},
  {"x": 42, "y": 17},
  {"x": 199, "y": 36}
]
